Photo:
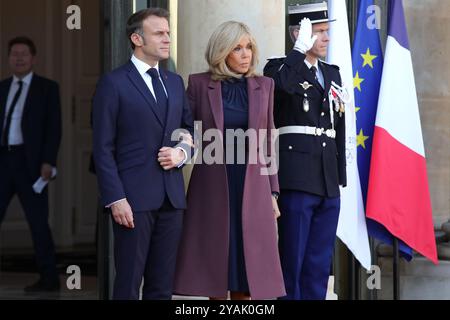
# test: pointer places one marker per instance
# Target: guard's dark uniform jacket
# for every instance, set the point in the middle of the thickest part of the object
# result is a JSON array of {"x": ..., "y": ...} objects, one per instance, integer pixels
[{"x": 308, "y": 163}]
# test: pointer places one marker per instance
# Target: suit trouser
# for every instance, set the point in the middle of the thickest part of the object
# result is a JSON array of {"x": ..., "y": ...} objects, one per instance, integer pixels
[
  {"x": 15, "y": 179},
  {"x": 307, "y": 233},
  {"x": 147, "y": 252}
]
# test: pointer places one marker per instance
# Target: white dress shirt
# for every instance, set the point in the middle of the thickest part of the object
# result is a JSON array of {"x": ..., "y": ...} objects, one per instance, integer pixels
[
  {"x": 318, "y": 73},
  {"x": 15, "y": 130}
]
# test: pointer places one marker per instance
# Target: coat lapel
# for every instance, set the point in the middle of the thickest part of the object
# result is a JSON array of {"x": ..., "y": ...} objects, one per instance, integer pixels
[
  {"x": 140, "y": 85},
  {"x": 326, "y": 80},
  {"x": 4, "y": 90},
  {"x": 215, "y": 101},
  {"x": 32, "y": 92},
  {"x": 168, "y": 83},
  {"x": 254, "y": 102}
]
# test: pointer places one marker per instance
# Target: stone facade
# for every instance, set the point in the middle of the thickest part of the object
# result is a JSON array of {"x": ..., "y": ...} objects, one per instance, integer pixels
[
  {"x": 197, "y": 19},
  {"x": 428, "y": 23}
]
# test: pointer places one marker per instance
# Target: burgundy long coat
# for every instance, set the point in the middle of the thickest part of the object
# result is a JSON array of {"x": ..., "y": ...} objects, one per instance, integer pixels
[{"x": 202, "y": 265}]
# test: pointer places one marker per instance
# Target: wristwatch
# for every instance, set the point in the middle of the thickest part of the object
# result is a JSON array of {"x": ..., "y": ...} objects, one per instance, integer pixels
[{"x": 275, "y": 195}]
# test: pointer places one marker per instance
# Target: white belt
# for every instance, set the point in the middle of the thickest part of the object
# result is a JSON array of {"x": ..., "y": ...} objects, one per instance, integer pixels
[{"x": 313, "y": 131}]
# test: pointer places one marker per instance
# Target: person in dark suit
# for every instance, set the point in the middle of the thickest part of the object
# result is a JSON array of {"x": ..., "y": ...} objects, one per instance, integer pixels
[
  {"x": 30, "y": 135},
  {"x": 310, "y": 117},
  {"x": 229, "y": 241},
  {"x": 136, "y": 109}
]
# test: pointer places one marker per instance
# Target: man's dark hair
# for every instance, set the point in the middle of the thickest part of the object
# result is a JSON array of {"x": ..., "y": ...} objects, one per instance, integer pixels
[
  {"x": 22, "y": 40},
  {"x": 134, "y": 24}
]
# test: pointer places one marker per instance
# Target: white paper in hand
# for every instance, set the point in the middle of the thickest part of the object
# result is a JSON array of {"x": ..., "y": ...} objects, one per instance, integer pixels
[{"x": 40, "y": 183}]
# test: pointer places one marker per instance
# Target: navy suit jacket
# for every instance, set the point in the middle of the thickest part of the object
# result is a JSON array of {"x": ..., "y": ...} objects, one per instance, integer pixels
[
  {"x": 128, "y": 133},
  {"x": 41, "y": 122}
]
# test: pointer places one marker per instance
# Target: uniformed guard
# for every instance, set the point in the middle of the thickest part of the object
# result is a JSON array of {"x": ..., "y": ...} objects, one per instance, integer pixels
[{"x": 310, "y": 116}]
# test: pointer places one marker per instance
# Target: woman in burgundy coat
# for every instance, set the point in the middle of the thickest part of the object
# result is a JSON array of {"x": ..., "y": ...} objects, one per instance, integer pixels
[{"x": 229, "y": 241}]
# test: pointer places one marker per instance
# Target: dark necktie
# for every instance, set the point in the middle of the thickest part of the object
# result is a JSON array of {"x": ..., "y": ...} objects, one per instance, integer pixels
[
  {"x": 160, "y": 94},
  {"x": 313, "y": 70},
  {"x": 5, "y": 135}
]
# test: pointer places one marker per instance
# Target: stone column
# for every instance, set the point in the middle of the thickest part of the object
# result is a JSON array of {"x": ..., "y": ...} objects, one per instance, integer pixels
[
  {"x": 428, "y": 24},
  {"x": 197, "y": 19}
]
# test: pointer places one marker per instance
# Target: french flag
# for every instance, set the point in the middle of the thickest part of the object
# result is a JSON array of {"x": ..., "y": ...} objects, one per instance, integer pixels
[{"x": 398, "y": 194}]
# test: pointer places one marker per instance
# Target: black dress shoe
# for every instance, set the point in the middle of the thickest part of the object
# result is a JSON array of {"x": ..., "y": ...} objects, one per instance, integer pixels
[{"x": 43, "y": 286}]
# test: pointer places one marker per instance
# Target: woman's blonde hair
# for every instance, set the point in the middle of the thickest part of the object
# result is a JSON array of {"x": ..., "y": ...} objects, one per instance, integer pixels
[{"x": 222, "y": 42}]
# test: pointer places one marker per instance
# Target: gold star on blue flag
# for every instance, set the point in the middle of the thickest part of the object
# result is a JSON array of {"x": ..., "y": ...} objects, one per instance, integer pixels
[
  {"x": 367, "y": 67},
  {"x": 368, "y": 58}
]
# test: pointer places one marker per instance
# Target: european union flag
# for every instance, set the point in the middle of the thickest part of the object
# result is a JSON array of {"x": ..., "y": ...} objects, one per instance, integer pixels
[{"x": 367, "y": 59}]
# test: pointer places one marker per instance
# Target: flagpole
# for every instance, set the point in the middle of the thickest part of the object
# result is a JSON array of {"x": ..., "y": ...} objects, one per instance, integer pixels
[
  {"x": 354, "y": 278},
  {"x": 357, "y": 267},
  {"x": 351, "y": 276},
  {"x": 395, "y": 271}
]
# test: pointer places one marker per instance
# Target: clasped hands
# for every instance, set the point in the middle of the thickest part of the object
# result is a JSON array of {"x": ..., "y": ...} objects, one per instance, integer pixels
[{"x": 170, "y": 158}]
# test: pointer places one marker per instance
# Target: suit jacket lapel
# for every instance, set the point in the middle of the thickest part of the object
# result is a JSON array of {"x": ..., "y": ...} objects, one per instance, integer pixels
[
  {"x": 4, "y": 90},
  {"x": 326, "y": 80},
  {"x": 254, "y": 103},
  {"x": 140, "y": 85},
  {"x": 168, "y": 83},
  {"x": 310, "y": 78},
  {"x": 215, "y": 101},
  {"x": 32, "y": 92}
]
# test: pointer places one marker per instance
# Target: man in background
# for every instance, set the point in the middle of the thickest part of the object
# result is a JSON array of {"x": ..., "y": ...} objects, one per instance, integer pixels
[{"x": 30, "y": 134}]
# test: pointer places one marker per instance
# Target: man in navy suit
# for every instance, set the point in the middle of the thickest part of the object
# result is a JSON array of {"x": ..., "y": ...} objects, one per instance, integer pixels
[
  {"x": 30, "y": 119},
  {"x": 136, "y": 109}
]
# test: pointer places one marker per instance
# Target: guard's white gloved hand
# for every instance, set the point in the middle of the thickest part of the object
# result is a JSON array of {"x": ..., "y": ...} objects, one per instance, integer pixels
[{"x": 305, "y": 40}]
